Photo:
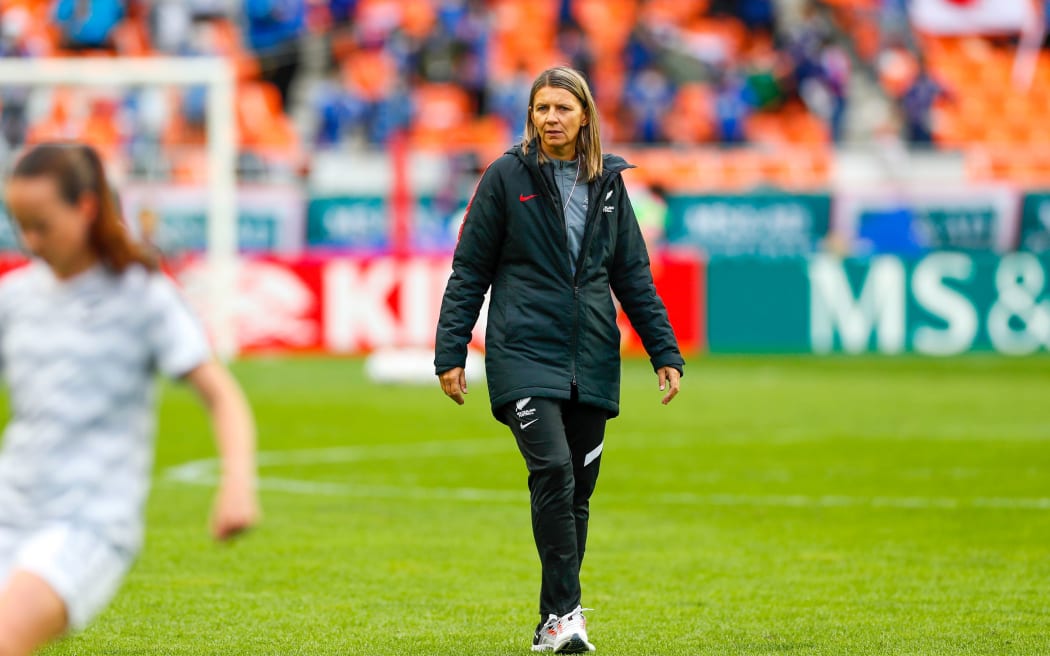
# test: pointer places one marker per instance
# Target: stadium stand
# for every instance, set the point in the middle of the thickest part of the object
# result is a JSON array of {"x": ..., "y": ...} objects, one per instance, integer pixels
[
  {"x": 444, "y": 73},
  {"x": 959, "y": 91},
  {"x": 668, "y": 74}
]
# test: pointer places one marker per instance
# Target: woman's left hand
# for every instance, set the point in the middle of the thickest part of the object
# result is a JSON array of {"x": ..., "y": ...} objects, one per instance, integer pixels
[{"x": 669, "y": 380}]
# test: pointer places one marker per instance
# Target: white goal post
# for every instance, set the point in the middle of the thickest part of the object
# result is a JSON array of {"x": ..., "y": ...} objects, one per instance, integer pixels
[{"x": 213, "y": 73}]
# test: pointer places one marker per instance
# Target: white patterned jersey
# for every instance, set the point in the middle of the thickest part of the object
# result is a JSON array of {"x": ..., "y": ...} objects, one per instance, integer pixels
[{"x": 80, "y": 359}]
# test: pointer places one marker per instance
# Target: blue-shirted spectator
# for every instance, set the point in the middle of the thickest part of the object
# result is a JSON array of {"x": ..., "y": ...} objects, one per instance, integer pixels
[
  {"x": 572, "y": 42},
  {"x": 641, "y": 50},
  {"x": 733, "y": 106},
  {"x": 648, "y": 96},
  {"x": 391, "y": 114},
  {"x": 341, "y": 11},
  {"x": 805, "y": 44},
  {"x": 834, "y": 82},
  {"x": 894, "y": 27},
  {"x": 508, "y": 96},
  {"x": 274, "y": 29},
  {"x": 1046, "y": 19},
  {"x": 87, "y": 24},
  {"x": 917, "y": 107},
  {"x": 757, "y": 14}
]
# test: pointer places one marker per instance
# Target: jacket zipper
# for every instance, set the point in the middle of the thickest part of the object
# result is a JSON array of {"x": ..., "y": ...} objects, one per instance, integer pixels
[
  {"x": 575, "y": 328},
  {"x": 560, "y": 212},
  {"x": 554, "y": 196},
  {"x": 581, "y": 257}
]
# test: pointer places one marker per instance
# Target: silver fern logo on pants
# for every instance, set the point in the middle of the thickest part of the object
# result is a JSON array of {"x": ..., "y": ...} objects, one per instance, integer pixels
[{"x": 524, "y": 412}]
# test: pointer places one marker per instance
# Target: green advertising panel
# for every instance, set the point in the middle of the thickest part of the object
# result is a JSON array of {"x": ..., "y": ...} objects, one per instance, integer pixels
[
  {"x": 177, "y": 231},
  {"x": 941, "y": 304},
  {"x": 763, "y": 224},
  {"x": 174, "y": 218},
  {"x": 358, "y": 222},
  {"x": 757, "y": 305},
  {"x": 1035, "y": 223},
  {"x": 362, "y": 223}
]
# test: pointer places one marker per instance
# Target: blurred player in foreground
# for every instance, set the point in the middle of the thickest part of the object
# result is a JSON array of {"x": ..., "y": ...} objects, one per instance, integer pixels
[
  {"x": 551, "y": 229},
  {"x": 84, "y": 328}
]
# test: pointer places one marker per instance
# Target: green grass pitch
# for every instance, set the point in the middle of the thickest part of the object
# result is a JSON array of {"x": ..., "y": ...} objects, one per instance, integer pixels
[{"x": 780, "y": 506}]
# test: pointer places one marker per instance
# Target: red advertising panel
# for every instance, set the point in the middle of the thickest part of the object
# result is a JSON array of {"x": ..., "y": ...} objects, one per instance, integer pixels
[
  {"x": 679, "y": 278},
  {"x": 340, "y": 305},
  {"x": 353, "y": 305}
]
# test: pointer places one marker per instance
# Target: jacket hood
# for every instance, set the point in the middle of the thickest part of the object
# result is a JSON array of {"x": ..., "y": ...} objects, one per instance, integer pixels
[{"x": 611, "y": 164}]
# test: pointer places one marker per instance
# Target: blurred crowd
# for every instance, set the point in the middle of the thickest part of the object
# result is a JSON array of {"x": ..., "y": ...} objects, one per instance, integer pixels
[
  {"x": 687, "y": 71},
  {"x": 683, "y": 72},
  {"x": 458, "y": 71}
]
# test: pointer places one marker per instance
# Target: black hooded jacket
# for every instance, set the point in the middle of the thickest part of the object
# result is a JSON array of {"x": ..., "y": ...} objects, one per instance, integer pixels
[{"x": 549, "y": 330}]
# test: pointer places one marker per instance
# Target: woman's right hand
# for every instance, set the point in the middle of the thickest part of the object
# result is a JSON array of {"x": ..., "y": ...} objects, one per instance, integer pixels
[
  {"x": 236, "y": 509},
  {"x": 454, "y": 384}
]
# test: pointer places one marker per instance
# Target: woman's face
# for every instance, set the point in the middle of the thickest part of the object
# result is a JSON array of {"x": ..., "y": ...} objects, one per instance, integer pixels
[
  {"x": 51, "y": 228},
  {"x": 557, "y": 116}
]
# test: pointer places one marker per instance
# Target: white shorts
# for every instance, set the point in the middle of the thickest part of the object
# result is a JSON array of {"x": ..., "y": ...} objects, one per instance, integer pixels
[{"x": 82, "y": 568}]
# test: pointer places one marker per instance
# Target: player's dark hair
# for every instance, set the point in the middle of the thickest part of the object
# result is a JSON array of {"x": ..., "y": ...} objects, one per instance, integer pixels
[{"x": 78, "y": 170}]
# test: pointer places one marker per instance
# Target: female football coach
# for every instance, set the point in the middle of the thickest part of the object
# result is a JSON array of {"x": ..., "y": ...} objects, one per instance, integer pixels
[{"x": 551, "y": 229}]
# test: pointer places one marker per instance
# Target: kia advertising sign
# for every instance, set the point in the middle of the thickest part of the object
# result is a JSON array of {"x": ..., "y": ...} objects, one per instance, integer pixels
[{"x": 355, "y": 305}]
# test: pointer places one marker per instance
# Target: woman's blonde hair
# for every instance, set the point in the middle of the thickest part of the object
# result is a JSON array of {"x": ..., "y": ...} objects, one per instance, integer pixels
[{"x": 588, "y": 141}]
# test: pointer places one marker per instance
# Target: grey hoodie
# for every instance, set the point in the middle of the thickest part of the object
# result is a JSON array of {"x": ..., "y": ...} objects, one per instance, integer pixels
[{"x": 566, "y": 175}]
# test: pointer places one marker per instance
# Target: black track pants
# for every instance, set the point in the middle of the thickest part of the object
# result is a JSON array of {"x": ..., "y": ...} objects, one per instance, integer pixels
[{"x": 562, "y": 445}]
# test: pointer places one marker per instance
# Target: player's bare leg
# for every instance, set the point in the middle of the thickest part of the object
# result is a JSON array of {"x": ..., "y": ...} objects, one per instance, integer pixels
[{"x": 31, "y": 615}]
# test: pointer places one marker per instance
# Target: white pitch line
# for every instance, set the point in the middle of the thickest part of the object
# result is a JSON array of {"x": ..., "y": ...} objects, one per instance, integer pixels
[
  {"x": 206, "y": 468},
  {"x": 205, "y": 473}
]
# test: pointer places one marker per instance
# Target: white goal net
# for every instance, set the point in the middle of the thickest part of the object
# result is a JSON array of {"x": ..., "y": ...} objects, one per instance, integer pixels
[{"x": 216, "y": 77}]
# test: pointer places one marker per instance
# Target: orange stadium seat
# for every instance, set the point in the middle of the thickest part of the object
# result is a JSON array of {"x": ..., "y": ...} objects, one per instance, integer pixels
[
  {"x": 742, "y": 169},
  {"x": 41, "y": 35},
  {"x": 859, "y": 19},
  {"x": 1041, "y": 165},
  {"x": 131, "y": 37},
  {"x": 709, "y": 173},
  {"x": 673, "y": 11},
  {"x": 488, "y": 130},
  {"x": 766, "y": 128},
  {"x": 652, "y": 163},
  {"x": 949, "y": 128},
  {"x": 608, "y": 81},
  {"x": 691, "y": 119},
  {"x": 1039, "y": 135},
  {"x": 417, "y": 17},
  {"x": 441, "y": 106},
  {"x": 525, "y": 26},
  {"x": 262, "y": 124},
  {"x": 810, "y": 168},
  {"x": 369, "y": 73},
  {"x": 725, "y": 35},
  {"x": 56, "y": 126},
  {"x": 854, "y": 4},
  {"x": 100, "y": 127},
  {"x": 607, "y": 23},
  {"x": 1002, "y": 125},
  {"x": 224, "y": 39}
]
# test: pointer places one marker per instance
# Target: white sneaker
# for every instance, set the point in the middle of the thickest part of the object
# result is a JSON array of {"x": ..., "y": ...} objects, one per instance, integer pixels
[
  {"x": 571, "y": 634},
  {"x": 546, "y": 634}
]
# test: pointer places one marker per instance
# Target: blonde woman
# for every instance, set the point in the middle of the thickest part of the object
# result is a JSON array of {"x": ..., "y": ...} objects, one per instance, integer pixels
[{"x": 550, "y": 229}]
